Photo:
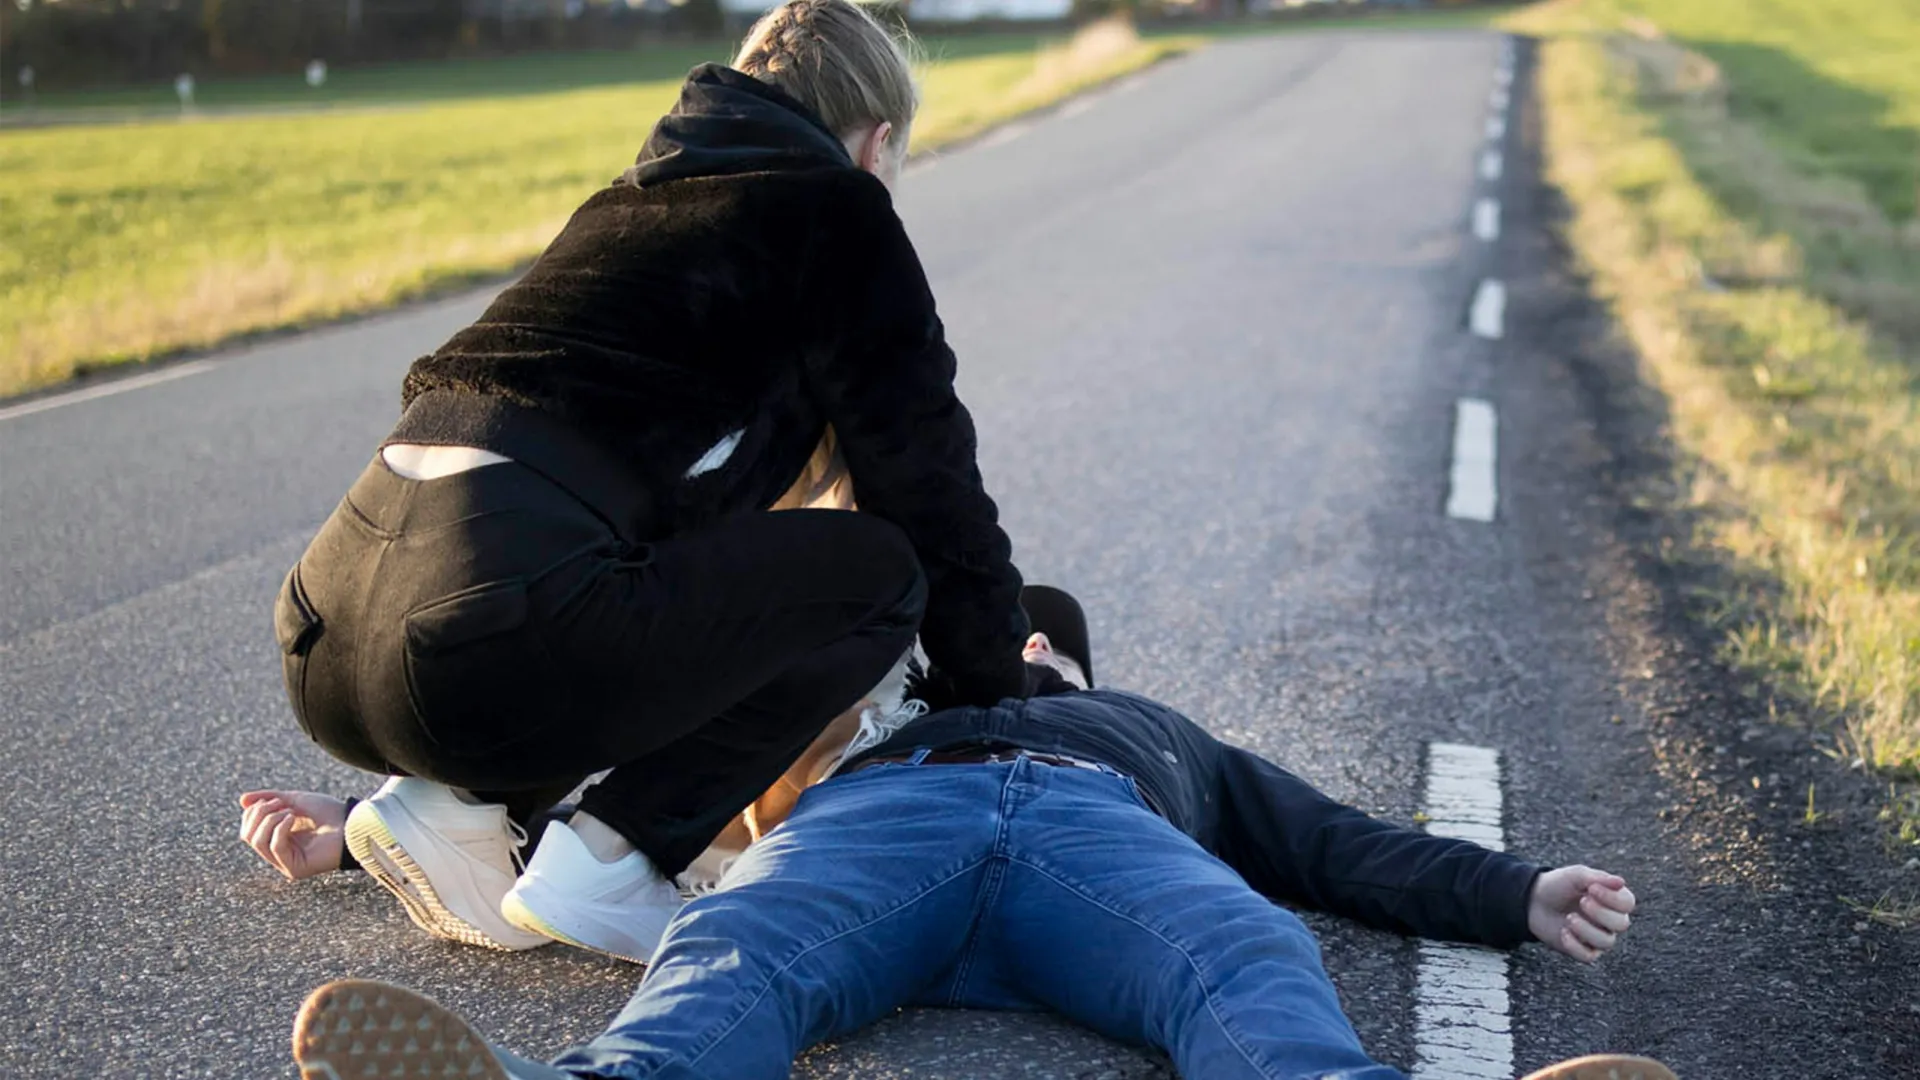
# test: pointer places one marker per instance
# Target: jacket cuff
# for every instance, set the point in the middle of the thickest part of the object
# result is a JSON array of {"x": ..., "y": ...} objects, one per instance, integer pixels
[
  {"x": 347, "y": 861},
  {"x": 1510, "y": 893}
]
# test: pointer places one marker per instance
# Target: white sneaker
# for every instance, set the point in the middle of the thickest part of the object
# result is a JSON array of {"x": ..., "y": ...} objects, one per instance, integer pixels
[
  {"x": 448, "y": 861},
  {"x": 619, "y": 908}
]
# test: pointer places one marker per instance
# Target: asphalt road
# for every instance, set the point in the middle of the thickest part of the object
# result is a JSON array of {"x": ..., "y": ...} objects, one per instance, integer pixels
[{"x": 1212, "y": 327}]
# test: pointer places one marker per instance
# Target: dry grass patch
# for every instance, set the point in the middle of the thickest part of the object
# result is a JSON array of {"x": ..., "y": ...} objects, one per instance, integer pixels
[{"x": 1773, "y": 304}]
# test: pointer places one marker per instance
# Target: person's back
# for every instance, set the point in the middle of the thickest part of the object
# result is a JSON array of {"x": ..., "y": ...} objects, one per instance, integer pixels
[{"x": 694, "y": 299}]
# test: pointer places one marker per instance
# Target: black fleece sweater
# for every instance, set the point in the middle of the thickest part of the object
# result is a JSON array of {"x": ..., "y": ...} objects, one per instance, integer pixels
[{"x": 745, "y": 277}]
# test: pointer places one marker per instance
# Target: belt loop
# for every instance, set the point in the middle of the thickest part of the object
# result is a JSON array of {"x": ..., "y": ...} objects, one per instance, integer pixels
[{"x": 920, "y": 755}]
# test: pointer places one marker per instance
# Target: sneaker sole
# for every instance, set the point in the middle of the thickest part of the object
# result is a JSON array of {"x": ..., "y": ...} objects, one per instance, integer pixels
[
  {"x": 516, "y": 911},
  {"x": 1606, "y": 1067},
  {"x": 373, "y": 845},
  {"x": 355, "y": 1029}
]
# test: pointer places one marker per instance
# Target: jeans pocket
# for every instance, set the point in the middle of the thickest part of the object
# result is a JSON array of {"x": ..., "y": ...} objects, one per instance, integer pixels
[
  {"x": 1133, "y": 789},
  {"x": 296, "y": 627},
  {"x": 478, "y": 675}
]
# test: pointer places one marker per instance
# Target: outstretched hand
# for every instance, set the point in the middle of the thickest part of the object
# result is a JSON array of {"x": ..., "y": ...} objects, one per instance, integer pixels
[
  {"x": 1579, "y": 911},
  {"x": 299, "y": 833}
]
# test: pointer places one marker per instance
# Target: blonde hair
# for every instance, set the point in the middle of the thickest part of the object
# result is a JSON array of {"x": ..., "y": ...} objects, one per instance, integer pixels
[{"x": 836, "y": 59}]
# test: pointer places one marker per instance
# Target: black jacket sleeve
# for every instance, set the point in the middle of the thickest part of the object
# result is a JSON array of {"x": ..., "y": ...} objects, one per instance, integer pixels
[
  {"x": 885, "y": 382},
  {"x": 1295, "y": 844}
]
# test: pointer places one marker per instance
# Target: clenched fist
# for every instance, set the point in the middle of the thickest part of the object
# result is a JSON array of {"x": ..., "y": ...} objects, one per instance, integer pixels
[{"x": 1580, "y": 911}]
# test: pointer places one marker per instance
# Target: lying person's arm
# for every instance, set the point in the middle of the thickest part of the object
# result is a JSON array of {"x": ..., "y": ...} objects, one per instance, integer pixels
[{"x": 1293, "y": 843}]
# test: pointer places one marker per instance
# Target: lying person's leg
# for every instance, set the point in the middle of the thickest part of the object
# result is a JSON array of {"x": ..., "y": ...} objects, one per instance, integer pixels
[
  {"x": 831, "y": 921},
  {"x": 1120, "y": 921}
]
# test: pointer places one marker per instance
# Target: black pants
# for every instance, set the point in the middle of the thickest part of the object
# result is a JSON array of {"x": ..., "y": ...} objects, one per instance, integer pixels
[{"x": 492, "y": 632}]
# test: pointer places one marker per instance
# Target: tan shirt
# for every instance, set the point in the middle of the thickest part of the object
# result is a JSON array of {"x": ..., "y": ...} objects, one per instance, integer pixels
[{"x": 824, "y": 484}]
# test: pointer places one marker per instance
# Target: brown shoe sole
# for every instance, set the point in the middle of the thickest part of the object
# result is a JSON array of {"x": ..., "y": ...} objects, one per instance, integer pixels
[
  {"x": 354, "y": 1029},
  {"x": 1605, "y": 1067}
]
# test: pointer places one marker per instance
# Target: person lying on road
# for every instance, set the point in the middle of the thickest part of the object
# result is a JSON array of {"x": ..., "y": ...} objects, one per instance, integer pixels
[{"x": 1091, "y": 852}]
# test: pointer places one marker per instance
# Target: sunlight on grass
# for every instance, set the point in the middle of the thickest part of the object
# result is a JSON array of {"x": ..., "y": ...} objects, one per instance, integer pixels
[
  {"x": 1761, "y": 285},
  {"x": 130, "y": 241}
]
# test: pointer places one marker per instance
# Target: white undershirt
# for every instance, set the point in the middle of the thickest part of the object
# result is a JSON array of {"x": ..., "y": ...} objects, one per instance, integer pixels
[{"x": 417, "y": 462}]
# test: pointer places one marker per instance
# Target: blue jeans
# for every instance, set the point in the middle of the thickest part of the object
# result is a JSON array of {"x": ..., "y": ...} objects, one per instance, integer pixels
[{"x": 1003, "y": 886}]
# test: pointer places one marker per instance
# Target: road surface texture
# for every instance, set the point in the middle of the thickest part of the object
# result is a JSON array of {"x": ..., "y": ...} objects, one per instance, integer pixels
[{"x": 1213, "y": 325}]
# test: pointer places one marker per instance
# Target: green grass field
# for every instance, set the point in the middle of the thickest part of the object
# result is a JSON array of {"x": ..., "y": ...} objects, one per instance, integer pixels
[
  {"x": 127, "y": 241},
  {"x": 1835, "y": 86},
  {"x": 140, "y": 233},
  {"x": 1743, "y": 177}
]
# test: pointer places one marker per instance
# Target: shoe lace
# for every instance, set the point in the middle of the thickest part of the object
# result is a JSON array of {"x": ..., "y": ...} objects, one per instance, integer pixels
[{"x": 516, "y": 850}]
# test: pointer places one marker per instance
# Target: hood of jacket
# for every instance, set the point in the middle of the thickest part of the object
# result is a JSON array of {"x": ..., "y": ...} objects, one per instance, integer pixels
[{"x": 728, "y": 122}]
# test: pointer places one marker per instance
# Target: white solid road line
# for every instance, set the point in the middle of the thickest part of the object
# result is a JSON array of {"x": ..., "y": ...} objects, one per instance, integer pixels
[
  {"x": 118, "y": 386},
  {"x": 1004, "y": 134},
  {"x": 1489, "y": 315},
  {"x": 1486, "y": 219},
  {"x": 1462, "y": 1016},
  {"x": 1079, "y": 105},
  {"x": 1473, "y": 493},
  {"x": 1496, "y": 128},
  {"x": 1490, "y": 165}
]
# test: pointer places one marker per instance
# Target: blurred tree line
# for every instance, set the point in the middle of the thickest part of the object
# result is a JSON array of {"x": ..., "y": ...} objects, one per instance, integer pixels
[{"x": 80, "y": 42}]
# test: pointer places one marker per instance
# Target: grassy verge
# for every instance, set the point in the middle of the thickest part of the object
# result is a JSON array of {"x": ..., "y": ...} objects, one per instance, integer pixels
[
  {"x": 125, "y": 242},
  {"x": 1742, "y": 180}
]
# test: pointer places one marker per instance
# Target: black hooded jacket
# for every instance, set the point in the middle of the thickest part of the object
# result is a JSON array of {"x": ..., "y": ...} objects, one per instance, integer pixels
[{"x": 745, "y": 277}]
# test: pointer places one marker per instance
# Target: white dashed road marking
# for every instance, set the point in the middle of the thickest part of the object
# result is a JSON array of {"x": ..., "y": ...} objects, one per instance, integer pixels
[
  {"x": 1503, "y": 77},
  {"x": 1496, "y": 128},
  {"x": 1472, "y": 491},
  {"x": 1463, "y": 1026},
  {"x": 1486, "y": 219},
  {"x": 118, "y": 386},
  {"x": 1490, "y": 165},
  {"x": 1498, "y": 101},
  {"x": 1489, "y": 316}
]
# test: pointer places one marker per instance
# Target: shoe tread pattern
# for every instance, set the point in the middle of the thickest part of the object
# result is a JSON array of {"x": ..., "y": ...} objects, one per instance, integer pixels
[
  {"x": 361, "y": 1030},
  {"x": 384, "y": 858}
]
